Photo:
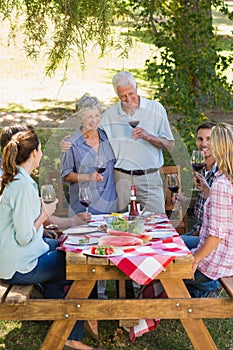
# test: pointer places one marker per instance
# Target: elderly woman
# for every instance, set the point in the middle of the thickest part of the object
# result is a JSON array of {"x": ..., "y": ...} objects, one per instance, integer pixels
[
  {"x": 89, "y": 144},
  {"x": 214, "y": 254}
]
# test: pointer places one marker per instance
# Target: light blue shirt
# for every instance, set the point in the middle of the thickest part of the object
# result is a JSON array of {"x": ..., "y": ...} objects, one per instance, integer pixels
[
  {"x": 140, "y": 154},
  {"x": 20, "y": 243},
  {"x": 80, "y": 158}
]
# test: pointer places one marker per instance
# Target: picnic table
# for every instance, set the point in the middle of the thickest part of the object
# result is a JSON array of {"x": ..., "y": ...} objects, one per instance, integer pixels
[
  {"x": 171, "y": 265},
  {"x": 166, "y": 260}
]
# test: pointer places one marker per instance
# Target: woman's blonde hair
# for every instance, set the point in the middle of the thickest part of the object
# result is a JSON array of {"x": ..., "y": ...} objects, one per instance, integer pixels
[
  {"x": 222, "y": 147},
  {"x": 16, "y": 152}
]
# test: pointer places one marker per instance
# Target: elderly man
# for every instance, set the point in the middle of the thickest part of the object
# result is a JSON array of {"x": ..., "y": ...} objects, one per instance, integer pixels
[{"x": 138, "y": 150}]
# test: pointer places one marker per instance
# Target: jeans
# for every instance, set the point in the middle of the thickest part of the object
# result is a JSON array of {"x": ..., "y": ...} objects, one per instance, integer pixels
[
  {"x": 201, "y": 285},
  {"x": 50, "y": 273},
  {"x": 190, "y": 241}
]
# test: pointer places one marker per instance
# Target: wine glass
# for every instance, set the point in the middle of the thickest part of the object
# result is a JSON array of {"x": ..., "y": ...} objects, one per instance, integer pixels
[
  {"x": 100, "y": 164},
  {"x": 100, "y": 167},
  {"x": 198, "y": 162},
  {"x": 133, "y": 123},
  {"x": 48, "y": 195},
  {"x": 173, "y": 185},
  {"x": 85, "y": 197}
]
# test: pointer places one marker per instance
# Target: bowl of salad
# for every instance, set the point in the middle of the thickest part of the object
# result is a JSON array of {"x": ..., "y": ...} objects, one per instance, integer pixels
[{"x": 136, "y": 225}]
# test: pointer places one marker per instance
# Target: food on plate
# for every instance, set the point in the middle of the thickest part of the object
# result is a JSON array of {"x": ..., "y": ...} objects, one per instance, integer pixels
[
  {"x": 144, "y": 236},
  {"x": 103, "y": 250},
  {"x": 102, "y": 228},
  {"x": 116, "y": 214},
  {"x": 84, "y": 240},
  {"x": 120, "y": 241}
]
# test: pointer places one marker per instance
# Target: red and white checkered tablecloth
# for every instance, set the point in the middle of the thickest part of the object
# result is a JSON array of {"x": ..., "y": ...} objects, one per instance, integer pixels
[{"x": 143, "y": 263}]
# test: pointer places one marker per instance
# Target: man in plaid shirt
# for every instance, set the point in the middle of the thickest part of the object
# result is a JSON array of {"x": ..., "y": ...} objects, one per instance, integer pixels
[{"x": 203, "y": 144}]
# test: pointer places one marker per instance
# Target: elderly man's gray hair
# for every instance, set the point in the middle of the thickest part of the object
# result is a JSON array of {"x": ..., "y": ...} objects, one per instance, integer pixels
[
  {"x": 123, "y": 79},
  {"x": 87, "y": 102}
]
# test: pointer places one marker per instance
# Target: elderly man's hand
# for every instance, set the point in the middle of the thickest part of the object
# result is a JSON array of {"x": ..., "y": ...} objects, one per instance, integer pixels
[{"x": 65, "y": 145}]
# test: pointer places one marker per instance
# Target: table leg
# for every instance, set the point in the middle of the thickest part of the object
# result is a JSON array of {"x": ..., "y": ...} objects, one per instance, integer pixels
[
  {"x": 60, "y": 330},
  {"x": 199, "y": 334},
  {"x": 194, "y": 327}
]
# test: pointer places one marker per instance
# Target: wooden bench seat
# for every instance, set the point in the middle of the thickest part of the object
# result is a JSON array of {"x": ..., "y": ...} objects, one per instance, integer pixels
[
  {"x": 15, "y": 294},
  {"x": 227, "y": 283}
]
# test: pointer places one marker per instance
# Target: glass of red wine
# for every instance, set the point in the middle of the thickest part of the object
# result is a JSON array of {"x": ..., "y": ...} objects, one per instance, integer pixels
[
  {"x": 48, "y": 195},
  {"x": 198, "y": 162},
  {"x": 133, "y": 123},
  {"x": 85, "y": 197},
  {"x": 173, "y": 185},
  {"x": 100, "y": 166}
]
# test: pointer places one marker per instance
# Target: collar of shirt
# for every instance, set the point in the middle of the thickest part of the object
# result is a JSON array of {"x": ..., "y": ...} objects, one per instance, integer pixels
[
  {"x": 78, "y": 138},
  {"x": 24, "y": 174},
  {"x": 142, "y": 104}
]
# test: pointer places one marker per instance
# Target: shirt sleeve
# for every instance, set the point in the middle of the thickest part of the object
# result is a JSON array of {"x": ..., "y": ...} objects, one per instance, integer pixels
[
  {"x": 220, "y": 209},
  {"x": 67, "y": 164},
  {"x": 165, "y": 129},
  {"x": 26, "y": 209}
]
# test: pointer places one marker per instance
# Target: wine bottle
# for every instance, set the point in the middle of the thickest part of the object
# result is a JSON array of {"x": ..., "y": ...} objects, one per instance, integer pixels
[
  {"x": 133, "y": 187},
  {"x": 133, "y": 205}
]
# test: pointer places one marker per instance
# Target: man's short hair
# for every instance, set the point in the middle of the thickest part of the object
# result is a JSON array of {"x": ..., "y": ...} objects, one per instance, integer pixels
[
  {"x": 207, "y": 125},
  {"x": 123, "y": 79}
]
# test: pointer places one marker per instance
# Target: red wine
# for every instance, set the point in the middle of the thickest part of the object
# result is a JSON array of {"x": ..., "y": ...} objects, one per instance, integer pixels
[
  {"x": 100, "y": 170},
  {"x": 85, "y": 203},
  {"x": 134, "y": 123},
  {"x": 198, "y": 166},
  {"x": 173, "y": 189}
]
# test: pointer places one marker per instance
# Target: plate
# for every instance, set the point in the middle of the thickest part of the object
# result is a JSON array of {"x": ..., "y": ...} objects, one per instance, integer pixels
[
  {"x": 97, "y": 223},
  {"x": 80, "y": 230},
  {"x": 76, "y": 241},
  {"x": 116, "y": 253},
  {"x": 158, "y": 221},
  {"x": 162, "y": 235}
]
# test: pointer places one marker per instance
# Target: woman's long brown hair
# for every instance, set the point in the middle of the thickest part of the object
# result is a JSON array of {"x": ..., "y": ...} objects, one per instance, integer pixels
[{"x": 16, "y": 152}]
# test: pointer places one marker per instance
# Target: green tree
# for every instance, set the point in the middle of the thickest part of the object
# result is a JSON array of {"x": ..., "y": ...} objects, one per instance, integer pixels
[
  {"x": 62, "y": 27},
  {"x": 188, "y": 67}
]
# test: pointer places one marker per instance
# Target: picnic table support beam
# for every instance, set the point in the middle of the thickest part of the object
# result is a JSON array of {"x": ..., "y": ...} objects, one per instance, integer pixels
[
  {"x": 60, "y": 330},
  {"x": 195, "y": 328},
  {"x": 198, "y": 334}
]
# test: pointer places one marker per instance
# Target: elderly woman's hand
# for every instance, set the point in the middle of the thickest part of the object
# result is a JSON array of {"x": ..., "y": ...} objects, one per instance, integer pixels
[{"x": 96, "y": 177}]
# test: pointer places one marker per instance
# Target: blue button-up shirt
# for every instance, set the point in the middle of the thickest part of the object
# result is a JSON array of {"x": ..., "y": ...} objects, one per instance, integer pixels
[{"x": 80, "y": 158}]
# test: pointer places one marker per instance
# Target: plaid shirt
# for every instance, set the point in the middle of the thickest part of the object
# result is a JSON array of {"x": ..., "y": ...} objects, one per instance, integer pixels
[
  {"x": 218, "y": 222},
  {"x": 199, "y": 204}
]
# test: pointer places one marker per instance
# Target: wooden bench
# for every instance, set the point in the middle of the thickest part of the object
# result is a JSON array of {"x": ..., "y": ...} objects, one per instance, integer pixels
[
  {"x": 17, "y": 303},
  {"x": 227, "y": 284}
]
